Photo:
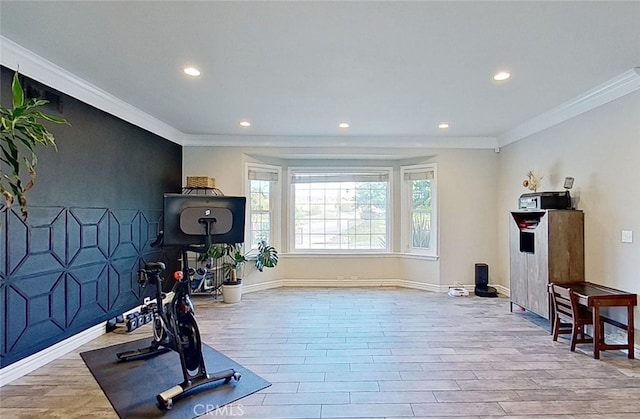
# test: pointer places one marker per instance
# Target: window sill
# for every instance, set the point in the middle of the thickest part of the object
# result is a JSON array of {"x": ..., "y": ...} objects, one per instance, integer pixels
[
  {"x": 335, "y": 255},
  {"x": 419, "y": 256}
]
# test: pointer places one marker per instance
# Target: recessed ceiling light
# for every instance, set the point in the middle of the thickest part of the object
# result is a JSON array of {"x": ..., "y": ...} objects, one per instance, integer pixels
[
  {"x": 191, "y": 71},
  {"x": 343, "y": 125},
  {"x": 503, "y": 75},
  {"x": 444, "y": 125},
  {"x": 245, "y": 123}
]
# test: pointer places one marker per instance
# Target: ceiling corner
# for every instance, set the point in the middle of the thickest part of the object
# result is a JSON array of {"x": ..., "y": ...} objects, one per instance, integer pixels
[
  {"x": 619, "y": 86},
  {"x": 31, "y": 65}
]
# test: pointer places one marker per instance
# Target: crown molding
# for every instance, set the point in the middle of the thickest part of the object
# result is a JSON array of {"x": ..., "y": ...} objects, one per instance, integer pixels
[
  {"x": 619, "y": 86},
  {"x": 292, "y": 141},
  {"x": 16, "y": 57}
]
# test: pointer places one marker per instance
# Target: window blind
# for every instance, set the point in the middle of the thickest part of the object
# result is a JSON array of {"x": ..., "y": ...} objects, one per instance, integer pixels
[
  {"x": 339, "y": 177},
  {"x": 426, "y": 174},
  {"x": 263, "y": 174}
]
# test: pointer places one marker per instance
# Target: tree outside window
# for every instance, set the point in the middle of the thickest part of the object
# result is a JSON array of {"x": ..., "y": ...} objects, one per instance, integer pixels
[{"x": 419, "y": 209}]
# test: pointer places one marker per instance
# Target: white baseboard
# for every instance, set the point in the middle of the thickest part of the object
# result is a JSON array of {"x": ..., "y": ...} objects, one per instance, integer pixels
[
  {"x": 360, "y": 282},
  {"x": 502, "y": 290},
  {"x": 31, "y": 363},
  {"x": 262, "y": 286},
  {"x": 423, "y": 286}
]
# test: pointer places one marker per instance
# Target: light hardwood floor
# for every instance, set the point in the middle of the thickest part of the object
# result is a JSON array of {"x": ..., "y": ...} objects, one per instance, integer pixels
[{"x": 371, "y": 353}]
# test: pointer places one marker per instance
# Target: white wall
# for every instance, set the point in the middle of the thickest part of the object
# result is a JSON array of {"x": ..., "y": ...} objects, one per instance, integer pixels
[
  {"x": 468, "y": 201},
  {"x": 601, "y": 149},
  {"x": 467, "y": 212}
]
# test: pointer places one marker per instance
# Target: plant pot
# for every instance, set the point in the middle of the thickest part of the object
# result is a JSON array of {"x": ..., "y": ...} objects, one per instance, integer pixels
[{"x": 232, "y": 291}]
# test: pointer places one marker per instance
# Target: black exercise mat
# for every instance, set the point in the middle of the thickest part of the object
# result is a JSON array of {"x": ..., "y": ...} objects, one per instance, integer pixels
[{"x": 132, "y": 386}]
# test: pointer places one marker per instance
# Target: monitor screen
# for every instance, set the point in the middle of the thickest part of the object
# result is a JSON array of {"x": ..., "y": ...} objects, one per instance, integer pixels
[{"x": 201, "y": 219}]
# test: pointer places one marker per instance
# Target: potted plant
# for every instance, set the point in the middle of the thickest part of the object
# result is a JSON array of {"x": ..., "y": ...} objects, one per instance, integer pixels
[
  {"x": 233, "y": 259},
  {"x": 232, "y": 285},
  {"x": 20, "y": 131}
]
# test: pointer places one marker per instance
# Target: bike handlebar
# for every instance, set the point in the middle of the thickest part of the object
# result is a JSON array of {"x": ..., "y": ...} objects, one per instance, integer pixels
[{"x": 159, "y": 240}]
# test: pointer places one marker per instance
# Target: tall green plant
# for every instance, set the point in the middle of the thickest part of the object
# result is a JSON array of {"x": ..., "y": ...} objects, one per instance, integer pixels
[
  {"x": 267, "y": 256},
  {"x": 21, "y": 131},
  {"x": 232, "y": 256}
]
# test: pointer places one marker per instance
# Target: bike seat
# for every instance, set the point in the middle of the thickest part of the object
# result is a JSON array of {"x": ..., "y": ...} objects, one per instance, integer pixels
[{"x": 152, "y": 266}]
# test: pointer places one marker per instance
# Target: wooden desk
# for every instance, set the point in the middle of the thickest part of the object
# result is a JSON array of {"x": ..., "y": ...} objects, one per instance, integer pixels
[{"x": 596, "y": 296}]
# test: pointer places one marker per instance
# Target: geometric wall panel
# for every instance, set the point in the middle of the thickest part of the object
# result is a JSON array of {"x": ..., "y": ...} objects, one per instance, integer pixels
[
  {"x": 68, "y": 269},
  {"x": 17, "y": 249},
  {"x": 125, "y": 231},
  {"x": 41, "y": 315},
  {"x": 84, "y": 300},
  {"x": 90, "y": 235},
  {"x": 94, "y": 210},
  {"x": 124, "y": 272},
  {"x": 36, "y": 247},
  {"x": 3, "y": 326},
  {"x": 16, "y": 316}
]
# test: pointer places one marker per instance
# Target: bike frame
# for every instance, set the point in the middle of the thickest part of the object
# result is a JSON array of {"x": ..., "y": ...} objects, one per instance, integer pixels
[{"x": 175, "y": 328}]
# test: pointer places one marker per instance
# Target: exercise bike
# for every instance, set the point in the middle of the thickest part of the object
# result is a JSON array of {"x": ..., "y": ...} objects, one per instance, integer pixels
[{"x": 175, "y": 328}]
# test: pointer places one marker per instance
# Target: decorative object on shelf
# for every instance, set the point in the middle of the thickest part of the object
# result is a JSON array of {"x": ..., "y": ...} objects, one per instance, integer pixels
[
  {"x": 568, "y": 182},
  {"x": 21, "y": 131},
  {"x": 201, "y": 185},
  {"x": 532, "y": 181},
  {"x": 200, "y": 182}
]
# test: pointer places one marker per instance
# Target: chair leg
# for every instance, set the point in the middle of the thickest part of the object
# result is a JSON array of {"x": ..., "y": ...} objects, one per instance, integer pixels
[
  {"x": 556, "y": 329},
  {"x": 574, "y": 337}
]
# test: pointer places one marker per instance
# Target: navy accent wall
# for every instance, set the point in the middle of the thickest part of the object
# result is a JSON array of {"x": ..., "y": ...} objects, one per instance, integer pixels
[{"x": 95, "y": 209}]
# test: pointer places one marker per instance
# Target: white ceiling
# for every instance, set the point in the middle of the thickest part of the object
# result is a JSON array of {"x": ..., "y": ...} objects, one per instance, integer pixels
[{"x": 296, "y": 69}]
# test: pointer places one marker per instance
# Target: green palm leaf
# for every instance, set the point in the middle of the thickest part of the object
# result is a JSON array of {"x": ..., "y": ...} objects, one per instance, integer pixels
[{"x": 21, "y": 130}]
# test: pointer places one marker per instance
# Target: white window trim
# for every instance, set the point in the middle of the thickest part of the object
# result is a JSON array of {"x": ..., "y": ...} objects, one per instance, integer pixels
[
  {"x": 338, "y": 169},
  {"x": 275, "y": 201},
  {"x": 405, "y": 211}
]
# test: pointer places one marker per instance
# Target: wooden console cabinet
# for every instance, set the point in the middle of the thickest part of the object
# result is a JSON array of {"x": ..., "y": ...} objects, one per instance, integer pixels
[{"x": 544, "y": 246}]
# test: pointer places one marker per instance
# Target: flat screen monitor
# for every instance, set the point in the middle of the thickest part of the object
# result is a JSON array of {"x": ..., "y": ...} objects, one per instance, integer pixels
[{"x": 191, "y": 220}]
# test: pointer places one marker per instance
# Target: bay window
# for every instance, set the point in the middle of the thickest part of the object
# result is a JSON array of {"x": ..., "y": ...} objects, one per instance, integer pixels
[{"x": 340, "y": 209}]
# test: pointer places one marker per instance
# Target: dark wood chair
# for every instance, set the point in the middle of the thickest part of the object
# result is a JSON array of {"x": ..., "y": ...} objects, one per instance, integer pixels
[{"x": 569, "y": 316}]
